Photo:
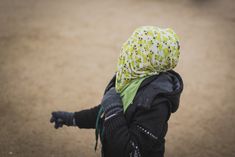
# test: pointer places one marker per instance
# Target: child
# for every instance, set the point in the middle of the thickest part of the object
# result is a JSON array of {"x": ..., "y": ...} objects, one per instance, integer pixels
[{"x": 132, "y": 117}]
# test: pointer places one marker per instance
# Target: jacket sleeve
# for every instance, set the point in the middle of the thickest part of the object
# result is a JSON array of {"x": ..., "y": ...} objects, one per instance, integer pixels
[
  {"x": 87, "y": 118},
  {"x": 147, "y": 130}
]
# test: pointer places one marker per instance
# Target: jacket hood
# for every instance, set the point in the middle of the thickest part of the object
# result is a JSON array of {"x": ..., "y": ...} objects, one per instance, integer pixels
[{"x": 167, "y": 84}]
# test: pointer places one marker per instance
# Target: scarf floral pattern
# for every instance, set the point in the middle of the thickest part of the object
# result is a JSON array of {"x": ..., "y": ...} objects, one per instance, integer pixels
[{"x": 148, "y": 51}]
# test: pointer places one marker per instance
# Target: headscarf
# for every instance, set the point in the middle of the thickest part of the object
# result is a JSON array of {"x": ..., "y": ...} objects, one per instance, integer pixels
[{"x": 148, "y": 51}]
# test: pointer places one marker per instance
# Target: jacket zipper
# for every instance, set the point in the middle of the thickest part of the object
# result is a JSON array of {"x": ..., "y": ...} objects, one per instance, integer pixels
[{"x": 147, "y": 132}]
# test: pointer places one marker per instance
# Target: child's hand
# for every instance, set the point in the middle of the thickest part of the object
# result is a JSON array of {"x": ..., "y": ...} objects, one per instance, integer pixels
[{"x": 61, "y": 118}]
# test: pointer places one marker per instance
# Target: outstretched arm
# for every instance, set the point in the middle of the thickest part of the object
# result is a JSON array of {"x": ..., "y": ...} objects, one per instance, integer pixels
[
  {"x": 87, "y": 118},
  {"x": 82, "y": 119}
]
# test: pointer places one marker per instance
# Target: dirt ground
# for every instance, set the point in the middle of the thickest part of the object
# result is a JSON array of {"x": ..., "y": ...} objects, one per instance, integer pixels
[{"x": 59, "y": 55}]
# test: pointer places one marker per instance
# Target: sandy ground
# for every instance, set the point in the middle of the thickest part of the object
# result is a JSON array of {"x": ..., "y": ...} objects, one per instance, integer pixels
[{"x": 59, "y": 55}]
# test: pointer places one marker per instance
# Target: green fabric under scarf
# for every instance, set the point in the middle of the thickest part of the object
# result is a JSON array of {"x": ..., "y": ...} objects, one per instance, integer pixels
[{"x": 128, "y": 94}]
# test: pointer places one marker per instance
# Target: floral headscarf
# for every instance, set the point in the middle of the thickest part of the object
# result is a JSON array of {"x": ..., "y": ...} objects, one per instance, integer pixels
[{"x": 148, "y": 51}]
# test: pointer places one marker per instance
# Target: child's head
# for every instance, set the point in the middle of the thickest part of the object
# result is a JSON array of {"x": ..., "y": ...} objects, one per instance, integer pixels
[{"x": 148, "y": 51}]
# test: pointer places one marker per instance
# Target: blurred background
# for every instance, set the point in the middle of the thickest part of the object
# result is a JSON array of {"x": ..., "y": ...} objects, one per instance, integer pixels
[{"x": 60, "y": 55}]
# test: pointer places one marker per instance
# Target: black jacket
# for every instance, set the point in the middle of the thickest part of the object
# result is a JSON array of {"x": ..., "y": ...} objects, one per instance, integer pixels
[{"x": 140, "y": 131}]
